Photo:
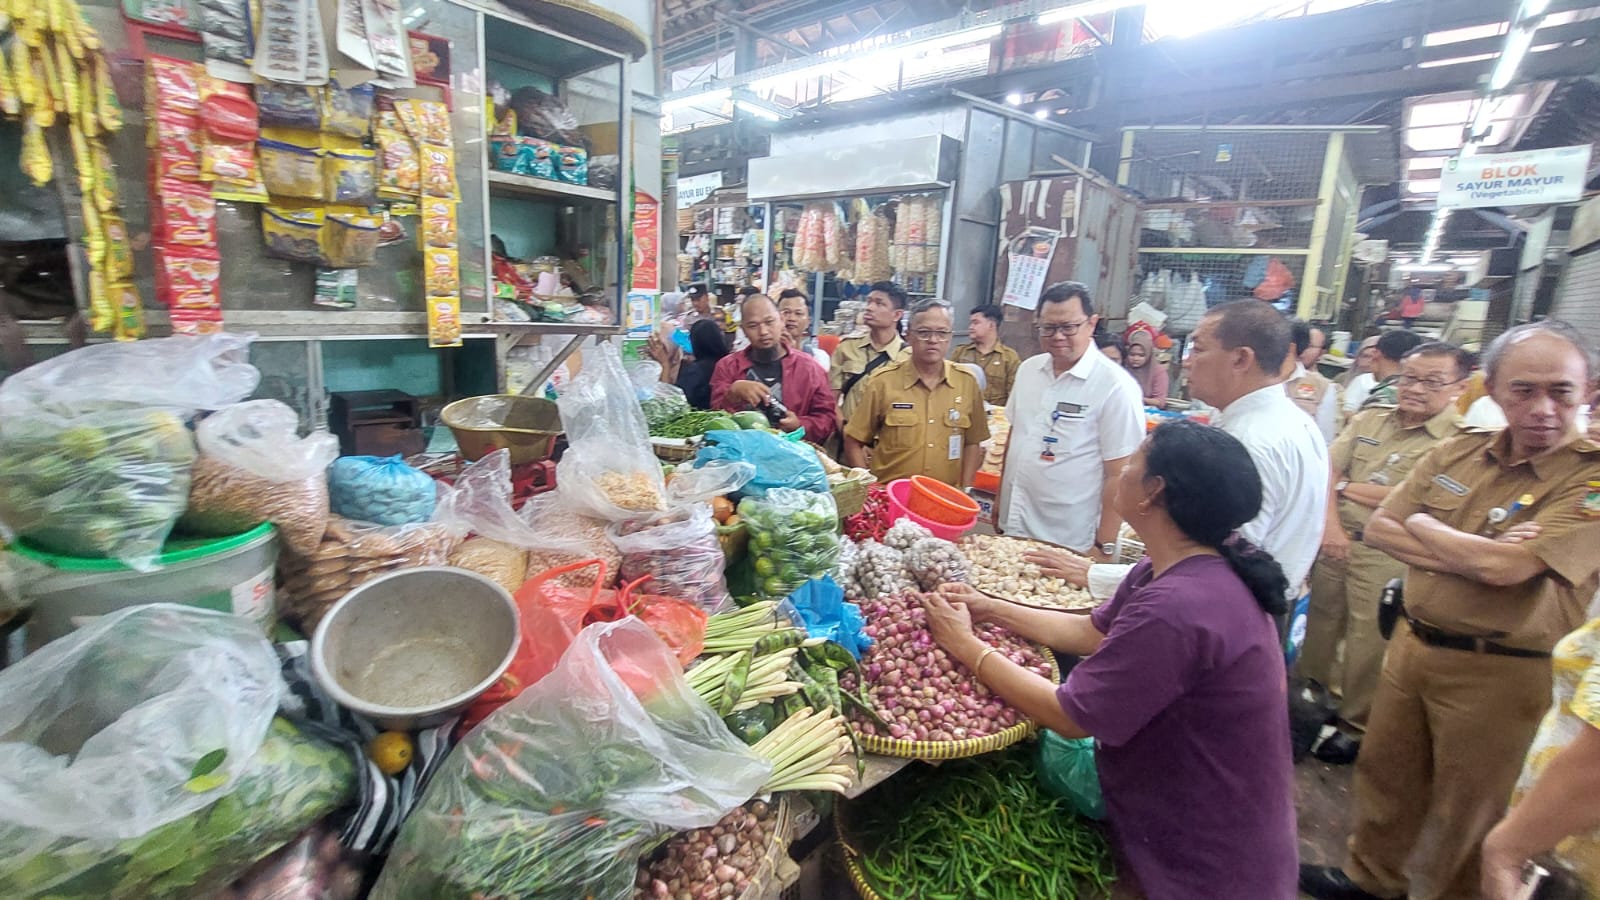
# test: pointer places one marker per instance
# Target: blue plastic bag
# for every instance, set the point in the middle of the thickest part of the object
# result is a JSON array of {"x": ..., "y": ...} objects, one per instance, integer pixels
[
  {"x": 1296, "y": 632},
  {"x": 822, "y": 607},
  {"x": 779, "y": 463},
  {"x": 381, "y": 490},
  {"x": 1067, "y": 770}
]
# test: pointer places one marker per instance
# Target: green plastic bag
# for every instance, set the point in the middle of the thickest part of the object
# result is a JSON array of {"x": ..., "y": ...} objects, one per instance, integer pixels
[{"x": 1067, "y": 770}]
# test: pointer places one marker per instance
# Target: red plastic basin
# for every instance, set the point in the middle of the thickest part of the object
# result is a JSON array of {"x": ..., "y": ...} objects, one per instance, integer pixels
[{"x": 900, "y": 492}]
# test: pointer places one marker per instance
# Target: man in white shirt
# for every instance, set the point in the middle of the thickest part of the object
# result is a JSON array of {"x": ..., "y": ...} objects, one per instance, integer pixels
[
  {"x": 1236, "y": 356},
  {"x": 1075, "y": 417}
]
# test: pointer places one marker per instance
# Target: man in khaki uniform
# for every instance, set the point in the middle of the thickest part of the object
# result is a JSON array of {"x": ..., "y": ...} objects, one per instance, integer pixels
[
  {"x": 857, "y": 358},
  {"x": 921, "y": 416},
  {"x": 1499, "y": 531},
  {"x": 1372, "y": 456},
  {"x": 998, "y": 362},
  {"x": 1309, "y": 390}
]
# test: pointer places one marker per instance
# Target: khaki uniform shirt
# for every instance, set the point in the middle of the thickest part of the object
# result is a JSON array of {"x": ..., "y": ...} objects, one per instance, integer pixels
[
  {"x": 999, "y": 369},
  {"x": 1308, "y": 390},
  {"x": 1462, "y": 483},
  {"x": 850, "y": 359},
  {"x": 917, "y": 431},
  {"x": 1376, "y": 449}
]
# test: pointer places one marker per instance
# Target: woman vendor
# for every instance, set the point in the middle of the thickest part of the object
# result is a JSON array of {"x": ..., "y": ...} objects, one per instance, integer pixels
[
  {"x": 1140, "y": 361},
  {"x": 1182, "y": 684}
]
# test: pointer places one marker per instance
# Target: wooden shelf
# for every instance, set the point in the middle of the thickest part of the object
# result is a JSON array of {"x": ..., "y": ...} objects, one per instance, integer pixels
[{"x": 505, "y": 184}]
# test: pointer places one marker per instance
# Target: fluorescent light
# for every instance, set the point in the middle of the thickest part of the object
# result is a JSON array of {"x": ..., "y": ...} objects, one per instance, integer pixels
[
  {"x": 955, "y": 39},
  {"x": 1428, "y": 267},
  {"x": 1014, "y": 98},
  {"x": 1041, "y": 114},
  {"x": 1430, "y": 244},
  {"x": 1517, "y": 44},
  {"x": 757, "y": 109},
  {"x": 1531, "y": 8},
  {"x": 1079, "y": 10},
  {"x": 709, "y": 97}
]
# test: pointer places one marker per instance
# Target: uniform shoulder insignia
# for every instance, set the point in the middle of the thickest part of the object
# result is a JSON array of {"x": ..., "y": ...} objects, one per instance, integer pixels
[{"x": 1587, "y": 445}]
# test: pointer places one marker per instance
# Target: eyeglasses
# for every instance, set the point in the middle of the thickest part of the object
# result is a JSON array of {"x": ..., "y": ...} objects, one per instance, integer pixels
[
  {"x": 928, "y": 334},
  {"x": 1432, "y": 384},
  {"x": 1069, "y": 329}
]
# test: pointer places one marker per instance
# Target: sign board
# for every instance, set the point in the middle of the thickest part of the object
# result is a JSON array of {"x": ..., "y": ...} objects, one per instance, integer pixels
[
  {"x": 1530, "y": 178},
  {"x": 646, "y": 242},
  {"x": 1030, "y": 254},
  {"x": 697, "y": 188}
]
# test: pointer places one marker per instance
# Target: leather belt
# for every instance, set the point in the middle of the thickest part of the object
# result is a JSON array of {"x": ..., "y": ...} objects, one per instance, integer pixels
[{"x": 1436, "y": 637}]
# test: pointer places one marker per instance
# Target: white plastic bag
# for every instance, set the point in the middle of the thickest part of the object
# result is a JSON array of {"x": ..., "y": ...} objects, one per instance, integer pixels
[
  {"x": 94, "y": 450},
  {"x": 608, "y": 470},
  {"x": 559, "y": 792},
  {"x": 254, "y": 467}
]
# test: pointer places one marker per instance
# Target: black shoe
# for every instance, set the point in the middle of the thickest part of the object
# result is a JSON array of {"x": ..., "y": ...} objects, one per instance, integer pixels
[
  {"x": 1331, "y": 883},
  {"x": 1339, "y": 749}
]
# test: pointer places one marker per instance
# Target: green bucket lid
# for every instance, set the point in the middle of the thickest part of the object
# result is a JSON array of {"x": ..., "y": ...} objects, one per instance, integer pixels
[{"x": 175, "y": 550}]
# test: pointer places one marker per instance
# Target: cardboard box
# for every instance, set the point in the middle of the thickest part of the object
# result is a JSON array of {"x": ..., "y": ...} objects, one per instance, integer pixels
[{"x": 603, "y": 138}]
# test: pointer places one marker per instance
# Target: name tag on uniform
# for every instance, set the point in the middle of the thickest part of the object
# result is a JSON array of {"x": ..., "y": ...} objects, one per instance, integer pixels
[
  {"x": 955, "y": 446},
  {"x": 1371, "y": 442},
  {"x": 1070, "y": 410},
  {"x": 902, "y": 406},
  {"x": 1451, "y": 485}
]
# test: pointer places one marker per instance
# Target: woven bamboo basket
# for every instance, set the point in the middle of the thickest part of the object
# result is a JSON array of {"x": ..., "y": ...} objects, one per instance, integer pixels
[
  {"x": 674, "y": 450},
  {"x": 850, "y": 495},
  {"x": 942, "y": 750},
  {"x": 762, "y": 884}
]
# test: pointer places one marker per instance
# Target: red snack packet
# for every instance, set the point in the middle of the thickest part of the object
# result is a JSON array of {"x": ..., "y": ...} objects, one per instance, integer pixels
[
  {"x": 187, "y": 281},
  {"x": 178, "y": 142},
  {"x": 196, "y": 321},
  {"x": 174, "y": 85},
  {"x": 187, "y": 217}
]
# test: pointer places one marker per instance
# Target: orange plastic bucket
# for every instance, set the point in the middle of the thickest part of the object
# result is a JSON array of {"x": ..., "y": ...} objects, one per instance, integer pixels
[{"x": 939, "y": 502}]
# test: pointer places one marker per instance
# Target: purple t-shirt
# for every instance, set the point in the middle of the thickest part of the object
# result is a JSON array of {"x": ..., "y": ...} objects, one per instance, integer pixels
[{"x": 1187, "y": 700}]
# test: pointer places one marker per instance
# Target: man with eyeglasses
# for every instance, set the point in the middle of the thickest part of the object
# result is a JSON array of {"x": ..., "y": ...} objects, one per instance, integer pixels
[
  {"x": 1498, "y": 530},
  {"x": 1372, "y": 456},
  {"x": 923, "y": 415},
  {"x": 1075, "y": 417},
  {"x": 1376, "y": 387}
]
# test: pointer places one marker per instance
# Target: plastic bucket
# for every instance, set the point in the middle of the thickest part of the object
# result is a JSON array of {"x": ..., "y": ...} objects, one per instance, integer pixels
[
  {"x": 899, "y": 494},
  {"x": 933, "y": 499},
  {"x": 231, "y": 574}
]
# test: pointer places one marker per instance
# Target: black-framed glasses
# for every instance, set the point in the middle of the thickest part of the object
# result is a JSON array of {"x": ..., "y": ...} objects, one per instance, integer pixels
[
  {"x": 1432, "y": 384},
  {"x": 929, "y": 334},
  {"x": 1066, "y": 328}
]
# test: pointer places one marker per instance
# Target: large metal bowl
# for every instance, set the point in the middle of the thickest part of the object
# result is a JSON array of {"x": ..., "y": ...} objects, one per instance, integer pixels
[
  {"x": 526, "y": 426},
  {"x": 415, "y": 647}
]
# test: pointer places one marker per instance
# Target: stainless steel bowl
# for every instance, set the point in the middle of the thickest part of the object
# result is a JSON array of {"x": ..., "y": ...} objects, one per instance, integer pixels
[{"x": 415, "y": 647}]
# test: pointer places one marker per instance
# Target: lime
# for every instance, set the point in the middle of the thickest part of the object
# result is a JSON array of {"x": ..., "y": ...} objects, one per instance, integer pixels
[
  {"x": 391, "y": 752},
  {"x": 765, "y": 567}
]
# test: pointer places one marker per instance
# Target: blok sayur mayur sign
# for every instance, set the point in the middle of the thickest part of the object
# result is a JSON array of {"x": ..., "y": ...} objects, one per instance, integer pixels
[{"x": 1530, "y": 178}]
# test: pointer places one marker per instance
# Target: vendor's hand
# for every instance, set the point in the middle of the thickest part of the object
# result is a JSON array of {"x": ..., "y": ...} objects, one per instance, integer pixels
[
  {"x": 979, "y": 606},
  {"x": 748, "y": 393},
  {"x": 1519, "y": 533},
  {"x": 951, "y": 625},
  {"x": 667, "y": 353},
  {"x": 1501, "y": 873},
  {"x": 1335, "y": 544},
  {"x": 789, "y": 422},
  {"x": 1063, "y": 564}
]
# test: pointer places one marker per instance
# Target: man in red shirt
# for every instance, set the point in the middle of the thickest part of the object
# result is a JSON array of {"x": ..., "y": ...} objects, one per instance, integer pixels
[{"x": 770, "y": 369}]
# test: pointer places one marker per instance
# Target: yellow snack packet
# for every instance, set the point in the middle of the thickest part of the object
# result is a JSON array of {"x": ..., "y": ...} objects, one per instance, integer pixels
[
  {"x": 52, "y": 78},
  {"x": 119, "y": 250},
  {"x": 130, "y": 311},
  {"x": 107, "y": 108},
  {"x": 35, "y": 155},
  {"x": 23, "y": 76},
  {"x": 105, "y": 176},
  {"x": 44, "y": 105},
  {"x": 71, "y": 94},
  {"x": 10, "y": 99},
  {"x": 439, "y": 223},
  {"x": 102, "y": 315},
  {"x": 441, "y": 273},
  {"x": 444, "y": 322}
]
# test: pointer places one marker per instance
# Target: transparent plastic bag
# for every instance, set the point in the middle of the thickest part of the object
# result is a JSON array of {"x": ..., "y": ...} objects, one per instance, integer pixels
[
  {"x": 349, "y": 555},
  {"x": 779, "y": 463},
  {"x": 562, "y": 790},
  {"x": 564, "y": 537},
  {"x": 315, "y": 866},
  {"x": 678, "y": 551},
  {"x": 253, "y": 468},
  {"x": 95, "y": 454},
  {"x": 381, "y": 490},
  {"x": 609, "y": 470},
  {"x": 793, "y": 539},
  {"x": 142, "y": 758}
]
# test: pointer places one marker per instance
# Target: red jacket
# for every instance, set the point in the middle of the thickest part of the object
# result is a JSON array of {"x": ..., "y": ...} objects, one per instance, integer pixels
[{"x": 805, "y": 390}]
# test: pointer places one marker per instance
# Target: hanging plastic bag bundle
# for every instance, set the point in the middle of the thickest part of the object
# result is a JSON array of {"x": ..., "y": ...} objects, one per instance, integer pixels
[
  {"x": 560, "y": 792},
  {"x": 608, "y": 470},
  {"x": 95, "y": 452},
  {"x": 141, "y": 758},
  {"x": 253, "y": 468}
]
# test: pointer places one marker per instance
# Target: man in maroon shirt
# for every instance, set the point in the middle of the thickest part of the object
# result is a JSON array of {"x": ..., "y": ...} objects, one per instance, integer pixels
[{"x": 769, "y": 368}]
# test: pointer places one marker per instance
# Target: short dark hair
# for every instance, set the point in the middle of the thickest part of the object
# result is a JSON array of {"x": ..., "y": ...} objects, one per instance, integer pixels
[
  {"x": 749, "y": 290},
  {"x": 1062, "y": 291},
  {"x": 1497, "y": 349},
  {"x": 1300, "y": 334},
  {"x": 989, "y": 311},
  {"x": 897, "y": 294},
  {"x": 1256, "y": 325},
  {"x": 697, "y": 290},
  {"x": 1104, "y": 340},
  {"x": 1463, "y": 359},
  {"x": 788, "y": 293},
  {"x": 706, "y": 340},
  {"x": 1396, "y": 343}
]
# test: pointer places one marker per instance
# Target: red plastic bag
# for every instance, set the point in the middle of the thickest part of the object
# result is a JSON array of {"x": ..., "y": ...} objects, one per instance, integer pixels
[{"x": 1276, "y": 282}]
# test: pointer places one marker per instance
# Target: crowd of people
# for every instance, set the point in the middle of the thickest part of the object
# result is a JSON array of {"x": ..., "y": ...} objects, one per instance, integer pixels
[{"x": 1438, "y": 515}]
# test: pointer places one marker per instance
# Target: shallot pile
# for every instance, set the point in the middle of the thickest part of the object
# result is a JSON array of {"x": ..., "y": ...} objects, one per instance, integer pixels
[
  {"x": 710, "y": 863},
  {"x": 918, "y": 689}
]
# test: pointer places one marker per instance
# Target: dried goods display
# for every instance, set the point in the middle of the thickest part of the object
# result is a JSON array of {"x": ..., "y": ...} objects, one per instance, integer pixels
[
  {"x": 736, "y": 851},
  {"x": 351, "y": 554},
  {"x": 999, "y": 567}
]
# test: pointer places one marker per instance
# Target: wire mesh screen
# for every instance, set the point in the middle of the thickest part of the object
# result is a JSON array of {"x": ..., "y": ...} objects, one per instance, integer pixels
[
  {"x": 1227, "y": 225},
  {"x": 1217, "y": 164},
  {"x": 1176, "y": 282}
]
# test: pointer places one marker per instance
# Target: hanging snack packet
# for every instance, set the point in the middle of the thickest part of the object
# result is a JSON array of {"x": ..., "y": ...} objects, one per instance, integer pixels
[
  {"x": 439, "y": 223},
  {"x": 441, "y": 273},
  {"x": 187, "y": 281},
  {"x": 288, "y": 106},
  {"x": 574, "y": 165},
  {"x": 108, "y": 109},
  {"x": 174, "y": 84},
  {"x": 118, "y": 248},
  {"x": 104, "y": 176},
  {"x": 349, "y": 177},
  {"x": 293, "y": 233},
  {"x": 291, "y": 170},
  {"x": 128, "y": 309},
  {"x": 196, "y": 321},
  {"x": 176, "y": 139},
  {"x": 186, "y": 216},
  {"x": 336, "y": 288},
  {"x": 347, "y": 111},
  {"x": 444, "y": 322},
  {"x": 434, "y": 119},
  {"x": 438, "y": 171},
  {"x": 350, "y": 241},
  {"x": 399, "y": 169}
]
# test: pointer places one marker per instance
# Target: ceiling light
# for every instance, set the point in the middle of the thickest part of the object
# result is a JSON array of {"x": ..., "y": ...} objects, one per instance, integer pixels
[
  {"x": 703, "y": 99},
  {"x": 1014, "y": 98},
  {"x": 1517, "y": 44},
  {"x": 1531, "y": 8},
  {"x": 954, "y": 39},
  {"x": 1079, "y": 10},
  {"x": 1041, "y": 114},
  {"x": 757, "y": 109}
]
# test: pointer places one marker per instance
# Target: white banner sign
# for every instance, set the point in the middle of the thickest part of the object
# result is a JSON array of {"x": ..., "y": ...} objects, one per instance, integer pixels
[
  {"x": 1531, "y": 178},
  {"x": 1030, "y": 254},
  {"x": 696, "y": 188}
]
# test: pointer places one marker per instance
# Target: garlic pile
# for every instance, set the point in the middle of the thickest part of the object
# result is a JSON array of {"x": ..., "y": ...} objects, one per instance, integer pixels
[
  {"x": 904, "y": 533},
  {"x": 934, "y": 561},
  {"x": 998, "y": 568}
]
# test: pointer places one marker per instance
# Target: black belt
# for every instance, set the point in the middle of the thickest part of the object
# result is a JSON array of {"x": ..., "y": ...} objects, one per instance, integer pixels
[{"x": 1435, "y": 637}]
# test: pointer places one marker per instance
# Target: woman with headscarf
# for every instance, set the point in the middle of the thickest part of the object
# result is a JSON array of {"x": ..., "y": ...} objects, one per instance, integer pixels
[
  {"x": 1140, "y": 361},
  {"x": 692, "y": 376}
]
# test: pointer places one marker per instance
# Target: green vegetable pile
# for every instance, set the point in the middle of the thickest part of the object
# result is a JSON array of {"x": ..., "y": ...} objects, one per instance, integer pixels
[
  {"x": 107, "y": 485},
  {"x": 693, "y": 423},
  {"x": 291, "y": 782},
  {"x": 666, "y": 404},
  {"x": 975, "y": 828},
  {"x": 794, "y": 537}
]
